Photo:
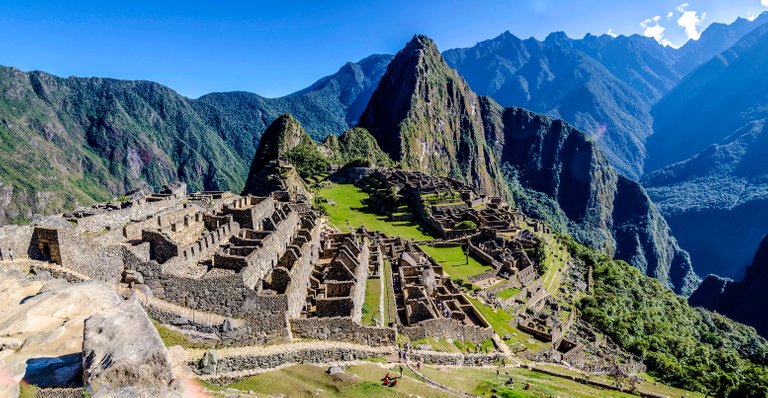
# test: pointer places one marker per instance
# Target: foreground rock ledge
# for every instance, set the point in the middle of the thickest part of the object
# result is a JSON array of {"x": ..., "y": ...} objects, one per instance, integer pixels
[{"x": 121, "y": 348}]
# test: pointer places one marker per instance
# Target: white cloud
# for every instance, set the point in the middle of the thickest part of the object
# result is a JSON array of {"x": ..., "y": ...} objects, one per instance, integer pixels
[
  {"x": 764, "y": 3},
  {"x": 652, "y": 28},
  {"x": 692, "y": 22},
  {"x": 683, "y": 6},
  {"x": 672, "y": 14},
  {"x": 611, "y": 33},
  {"x": 753, "y": 15}
]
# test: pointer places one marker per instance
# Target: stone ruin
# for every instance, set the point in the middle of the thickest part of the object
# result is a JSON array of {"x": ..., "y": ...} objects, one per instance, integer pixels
[
  {"x": 337, "y": 285},
  {"x": 429, "y": 304}
]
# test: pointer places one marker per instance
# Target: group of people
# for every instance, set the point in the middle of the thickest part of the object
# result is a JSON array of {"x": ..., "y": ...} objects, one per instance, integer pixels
[
  {"x": 392, "y": 382},
  {"x": 8, "y": 253}
]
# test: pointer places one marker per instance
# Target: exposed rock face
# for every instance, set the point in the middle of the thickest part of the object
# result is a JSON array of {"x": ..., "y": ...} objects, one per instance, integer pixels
[
  {"x": 121, "y": 348},
  {"x": 742, "y": 301},
  {"x": 268, "y": 174},
  {"x": 284, "y": 134},
  {"x": 425, "y": 116},
  {"x": 41, "y": 325},
  {"x": 584, "y": 193}
]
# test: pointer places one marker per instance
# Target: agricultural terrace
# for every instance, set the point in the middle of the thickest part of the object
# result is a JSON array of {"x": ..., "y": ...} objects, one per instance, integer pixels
[{"x": 347, "y": 208}]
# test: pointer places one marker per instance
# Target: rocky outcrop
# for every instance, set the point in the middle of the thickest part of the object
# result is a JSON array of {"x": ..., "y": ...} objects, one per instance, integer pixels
[
  {"x": 269, "y": 169},
  {"x": 742, "y": 301},
  {"x": 42, "y": 327},
  {"x": 426, "y": 117},
  {"x": 282, "y": 135},
  {"x": 121, "y": 348},
  {"x": 584, "y": 193}
]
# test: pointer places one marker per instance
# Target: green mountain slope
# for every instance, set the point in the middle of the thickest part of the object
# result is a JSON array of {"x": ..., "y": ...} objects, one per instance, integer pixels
[
  {"x": 556, "y": 173},
  {"x": 426, "y": 117},
  {"x": 73, "y": 141}
]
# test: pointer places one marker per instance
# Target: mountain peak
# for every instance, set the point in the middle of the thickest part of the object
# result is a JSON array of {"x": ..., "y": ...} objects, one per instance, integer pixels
[
  {"x": 426, "y": 116},
  {"x": 420, "y": 44},
  {"x": 282, "y": 135}
]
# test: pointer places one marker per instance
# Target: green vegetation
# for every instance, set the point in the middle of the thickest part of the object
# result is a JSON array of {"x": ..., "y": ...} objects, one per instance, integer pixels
[
  {"x": 682, "y": 346},
  {"x": 313, "y": 381},
  {"x": 357, "y": 147},
  {"x": 485, "y": 383},
  {"x": 465, "y": 225},
  {"x": 307, "y": 159},
  {"x": 454, "y": 262},
  {"x": 502, "y": 322},
  {"x": 371, "y": 306},
  {"x": 508, "y": 293},
  {"x": 553, "y": 257},
  {"x": 27, "y": 390},
  {"x": 390, "y": 307},
  {"x": 171, "y": 337},
  {"x": 346, "y": 207}
]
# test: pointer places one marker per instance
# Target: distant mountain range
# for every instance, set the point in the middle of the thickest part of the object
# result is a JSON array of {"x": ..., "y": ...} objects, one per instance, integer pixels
[
  {"x": 76, "y": 140},
  {"x": 712, "y": 132},
  {"x": 426, "y": 116}
]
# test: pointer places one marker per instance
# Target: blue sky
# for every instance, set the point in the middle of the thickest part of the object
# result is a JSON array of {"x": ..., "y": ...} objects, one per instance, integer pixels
[{"x": 274, "y": 48}]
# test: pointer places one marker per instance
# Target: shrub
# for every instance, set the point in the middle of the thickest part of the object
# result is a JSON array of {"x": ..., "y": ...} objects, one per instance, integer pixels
[{"x": 465, "y": 225}]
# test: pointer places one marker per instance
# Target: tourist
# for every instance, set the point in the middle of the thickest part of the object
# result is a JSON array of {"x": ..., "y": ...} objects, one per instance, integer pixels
[
  {"x": 401, "y": 370},
  {"x": 1, "y": 255},
  {"x": 10, "y": 253},
  {"x": 418, "y": 366}
]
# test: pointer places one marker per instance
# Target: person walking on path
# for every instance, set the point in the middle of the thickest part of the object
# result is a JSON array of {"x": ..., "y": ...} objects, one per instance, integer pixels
[{"x": 10, "y": 253}]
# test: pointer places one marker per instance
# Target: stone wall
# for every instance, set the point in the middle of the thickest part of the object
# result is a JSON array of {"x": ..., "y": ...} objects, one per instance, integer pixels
[
  {"x": 361, "y": 279},
  {"x": 132, "y": 231},
  {"x": 115, "y": 219},
  {"x": 265, "y": 328},
  {"x": 19, "y": 239},
  {"x": 301, "y": 270},
  {"x": 453, "y": 359},
  {"x": 274, "y": 359},
  {"x": 90, "y": 256},
  {"x": 273, "y": 247},
  {"x": 341, "y": 329},
  {"x": 250, "y": 211},
  {"x": 440, "y": 328},
  {"x": 225, "y": 295},
  {"x": 483, "y": 256}
]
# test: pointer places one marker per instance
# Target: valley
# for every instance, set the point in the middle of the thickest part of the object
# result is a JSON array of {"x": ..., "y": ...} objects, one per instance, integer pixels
[{"x": 560, "y": 217}]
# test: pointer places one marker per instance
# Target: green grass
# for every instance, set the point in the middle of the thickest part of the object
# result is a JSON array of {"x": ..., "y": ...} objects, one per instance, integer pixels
[
  {"x": 647, "y": 385},
  {"x": 390, "y": 306},
  {"x": 502, "y": 322},
  {"x": 27, "y": 390},
  {"x": 372, "y": 301},
  {"x": 454, "y": 262},
  {"x": 171, "y": 338},
  {"x": 349, "y": 210},
  {"x": 312, "y": 381},
  {"x": 483, "y": 382},
  {"x": 556, "y": 258},
  {"x": 508, "y": 293}
]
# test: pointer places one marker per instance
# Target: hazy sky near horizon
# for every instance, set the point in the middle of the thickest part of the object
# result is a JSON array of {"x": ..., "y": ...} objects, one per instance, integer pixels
[{"x": 275, "y": 48}]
